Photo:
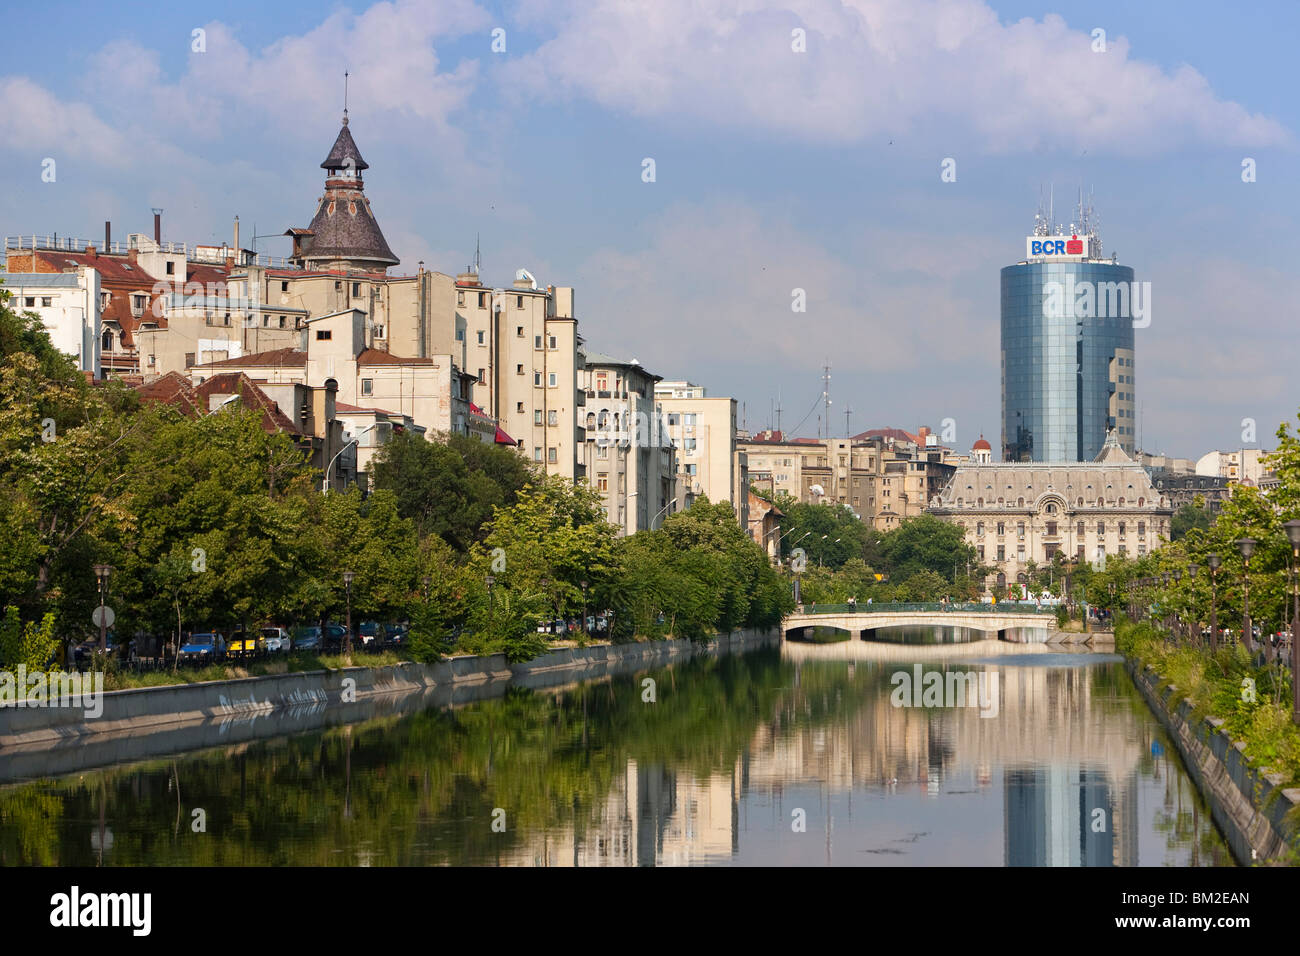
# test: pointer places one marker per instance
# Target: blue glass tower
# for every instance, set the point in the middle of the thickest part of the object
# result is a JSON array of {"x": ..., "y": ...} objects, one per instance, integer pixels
[{"x": 1067, "y": 351}]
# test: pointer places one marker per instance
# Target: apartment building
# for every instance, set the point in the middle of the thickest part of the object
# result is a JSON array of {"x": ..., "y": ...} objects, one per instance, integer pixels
[
  {"x": 627, "y": 453},
  {"x": 710, "y": 460},
  {"x": 522, "y": 346},
  {"x": 68, "y": 305}
]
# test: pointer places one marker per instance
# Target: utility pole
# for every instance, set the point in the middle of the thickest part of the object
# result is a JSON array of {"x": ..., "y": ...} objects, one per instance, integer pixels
[
  {"x": 826, "y": 398},
  {"x": 848, "y": 431}
]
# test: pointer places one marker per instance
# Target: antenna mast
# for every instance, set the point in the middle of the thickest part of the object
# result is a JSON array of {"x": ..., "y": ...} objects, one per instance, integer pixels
[{"x": 826, "y": 398}]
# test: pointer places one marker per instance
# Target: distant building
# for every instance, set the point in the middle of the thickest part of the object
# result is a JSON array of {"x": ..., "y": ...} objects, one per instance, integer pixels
[
  {"x": 710, "y": 461},
  {"x": 1023, "y": 514}
]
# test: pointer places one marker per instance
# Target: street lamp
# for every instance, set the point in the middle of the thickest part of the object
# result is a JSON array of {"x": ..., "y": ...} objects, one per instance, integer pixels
[
  {"x": 347, "y": 584},
  {"x": 1178, "y": 625},
  {"x": 1247, "y": 547},
  {"x": 670, "y": 504},
  {"x": 1293, "y": 535},
  {"x": 1214, "y": 561},
  {"x": 102, "y": 574},
  {"x": 325, "y": 482},
  {"x": 584, "y": 605}
]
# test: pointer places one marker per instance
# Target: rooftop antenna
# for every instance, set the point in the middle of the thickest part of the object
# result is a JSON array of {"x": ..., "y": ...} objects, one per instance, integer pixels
[
  {"x": 848, "y": 432},
  {"x": 826, "y": 398},
  {"x": 476, "y": 255},
  {"x": 778, "y": 412},
  {"x": 345, "y": 97}
]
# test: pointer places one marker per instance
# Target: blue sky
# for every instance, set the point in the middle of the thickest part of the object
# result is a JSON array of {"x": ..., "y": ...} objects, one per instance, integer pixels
[{"x": 775, "y": 170}]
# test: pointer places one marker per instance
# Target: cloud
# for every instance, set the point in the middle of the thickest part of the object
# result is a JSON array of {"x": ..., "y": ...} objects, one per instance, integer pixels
[{"x": 944, "y": 70}]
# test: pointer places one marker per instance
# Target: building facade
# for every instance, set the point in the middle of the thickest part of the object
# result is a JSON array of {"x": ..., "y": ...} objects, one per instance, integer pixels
[
  {"x": 68, "y": 305},
  {"x": 709, "y": 458},
  {"x": 1021, "y": 515}
]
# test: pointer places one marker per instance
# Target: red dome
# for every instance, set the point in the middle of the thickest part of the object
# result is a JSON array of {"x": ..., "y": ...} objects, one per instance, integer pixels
[{"x": 981, "y": 445}]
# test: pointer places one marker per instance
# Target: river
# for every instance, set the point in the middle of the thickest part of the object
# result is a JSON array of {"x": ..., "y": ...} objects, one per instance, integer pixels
[{"x": 946, "y": 752}]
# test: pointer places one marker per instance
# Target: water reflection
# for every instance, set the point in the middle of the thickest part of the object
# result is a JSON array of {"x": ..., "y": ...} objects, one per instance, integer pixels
[{"x": 790, "y": 757}]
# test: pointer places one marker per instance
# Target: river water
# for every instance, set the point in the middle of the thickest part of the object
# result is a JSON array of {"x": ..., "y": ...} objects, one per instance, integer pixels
[{"x": 892, "y": 753}]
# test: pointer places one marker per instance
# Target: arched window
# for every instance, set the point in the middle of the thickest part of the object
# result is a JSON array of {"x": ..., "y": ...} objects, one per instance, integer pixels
[
  {"x": 107, "y": 343},
  {"x": 591, "y": 421},
  {"x": 1020, "y": 502},
  {"x": 1141, "y": 502},
  {"x": 1002, "y": 581}
]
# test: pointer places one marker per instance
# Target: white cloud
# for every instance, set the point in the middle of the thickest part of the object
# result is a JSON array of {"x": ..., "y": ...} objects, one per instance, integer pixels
[{"x": 945, "y": 69}]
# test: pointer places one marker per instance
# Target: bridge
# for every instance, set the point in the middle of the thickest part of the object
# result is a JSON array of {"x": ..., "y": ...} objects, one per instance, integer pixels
[{"x": 863, "y": 620}]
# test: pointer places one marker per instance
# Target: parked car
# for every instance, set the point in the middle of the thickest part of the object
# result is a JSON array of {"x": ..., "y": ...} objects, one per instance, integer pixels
[
  {"x": 83, "y": 652},
  {"x": 204, "y": 646},
  {"x": 397, "y": 634},
  {"x": 371, "y": 632},
  {"x": 277, "y": 640},
  {"x": 246, "y": 644},
  {"x": 333, "y": 639},
  {"x": 307, "y": 639}
]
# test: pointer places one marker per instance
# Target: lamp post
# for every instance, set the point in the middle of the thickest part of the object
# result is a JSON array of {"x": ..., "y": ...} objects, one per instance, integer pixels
[
  {"x": 489, "y": 580},
  {"x": 102, "y": 573},
  {"x": 1247, "y": 547},
  {"x": 325, "y": 482},
  {"x": 347, "y": 640},
  {"x": 1214, "y": 561},
  {"x": 670, "y": 504},
  {"x": 584, "y": 605},
  {"x": 1178, "y": 623},
  {"x": 1293, "y": 535}
]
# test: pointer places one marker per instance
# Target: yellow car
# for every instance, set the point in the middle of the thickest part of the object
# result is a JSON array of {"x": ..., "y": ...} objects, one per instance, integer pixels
[{"x": 243, "y": 644}]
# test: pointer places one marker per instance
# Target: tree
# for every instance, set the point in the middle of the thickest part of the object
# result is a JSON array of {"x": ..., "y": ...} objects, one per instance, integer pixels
[
  {"x": 1193, "y": 514},
  {"x": 926, "y": 543}
]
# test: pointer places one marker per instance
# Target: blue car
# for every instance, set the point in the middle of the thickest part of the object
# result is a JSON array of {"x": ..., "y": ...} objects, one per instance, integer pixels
[{"x": 204, "y": 646}]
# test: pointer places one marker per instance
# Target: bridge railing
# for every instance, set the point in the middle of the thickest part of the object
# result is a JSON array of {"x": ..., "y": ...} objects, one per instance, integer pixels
[{"x": 972, "y": 607}]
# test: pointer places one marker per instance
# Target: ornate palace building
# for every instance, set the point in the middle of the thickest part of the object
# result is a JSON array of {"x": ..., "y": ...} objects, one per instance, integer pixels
[{"x": 1022, "y": 514}]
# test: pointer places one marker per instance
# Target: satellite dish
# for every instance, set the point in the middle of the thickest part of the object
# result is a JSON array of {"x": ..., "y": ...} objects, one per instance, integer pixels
[
  {"x": 525, "y": 274},
  {"x": 818, "y": 490}
]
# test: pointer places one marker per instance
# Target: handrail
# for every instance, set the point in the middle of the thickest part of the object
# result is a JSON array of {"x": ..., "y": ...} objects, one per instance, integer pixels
[{"x": 976, "y": 607}]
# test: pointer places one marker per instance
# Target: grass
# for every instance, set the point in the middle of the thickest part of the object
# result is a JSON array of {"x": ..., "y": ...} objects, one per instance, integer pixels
[
  {"x": 1253, "y": 702},
  {"x": 295, "y": 662}
]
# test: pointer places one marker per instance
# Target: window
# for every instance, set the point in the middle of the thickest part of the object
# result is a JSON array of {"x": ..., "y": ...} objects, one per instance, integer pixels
[
  {"x": 482, "y": 376},
  {"x": 137, "y": 304},
  {"x": 602, "y": 481},
  {"x": 1051, "y": 527},
  {"x": 480, "y": 336},
  {"x": 1079, "y": 529},
  {"x": 554, "y": 342},
  {"x": 482, "y": 300},
  {"x": 1080, "y": 552},
  {"x": 519, "y": 302},
  {"x": 519, "y": 331},
  {"x": 460, "y": 335},
  {"x": 1002, "y": 527},
  {"x": 379, "y": 331},
  {"x": 29, "y": 302},
  {"x": 537, "y": 454},
  {"x": 323, "y": 335},
  {"x": 688, "y": 419},
  {"x": 1142, "y": 528},
  {"x": 552, "y": 418},
  {"x": 688, "y": 445},
  {"x": 282, "y": 318},
  {"x": 980, "y": 550},
  {"x": 47, "y": 301},
  {"x": 550, "y": 455},
  {"x": 519, "y": 370},
  {"x": 284, "y": 287},
  {"x": 1121, "y": 529},
  {"x": 106, "y": 343},
  {"x": 537, "y": 341},
  {"x": 673, "y": 418},
  {"x": 460, "y": 298},
  {"x": 537, "y": 416},
  {"x": 189, "y": 359},
  {"x": 171, "y": 268},
  {"x": 537, "y": 379},
  {"x": 553, "y": 380},
  {"x": 602, "y": 451},
  {"x": 367, "y": 386},
  {"x": 1101, "y": 527},
  {"x": 979, "y": 529},
  {"x": 1020, "y": 529},
  {"x": 519, "y": 407},
  {"x": 356, "y": 288},
  {"x": 1002, "y": 552}
]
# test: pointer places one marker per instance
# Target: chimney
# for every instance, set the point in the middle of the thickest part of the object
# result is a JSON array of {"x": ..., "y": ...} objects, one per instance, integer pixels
[
  {"x": 157, "y": 226},
  {"x": 236, "y": 235},
  {"x": 108, "y": 236},
  {"x": 132, "y": 255},
  {"x": 90, "y": 253}
]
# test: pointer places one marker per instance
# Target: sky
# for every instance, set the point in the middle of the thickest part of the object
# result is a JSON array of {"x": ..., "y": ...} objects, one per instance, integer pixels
[{"x": 775, "y": 169}]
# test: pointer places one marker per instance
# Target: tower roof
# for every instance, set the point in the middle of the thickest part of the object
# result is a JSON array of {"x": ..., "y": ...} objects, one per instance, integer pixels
[
  {"x": 343, "y": 231},
  {"x": 344, "y": 154},
  {"x": 1112, "y": 450},
  {"x": 981, "y": 444}
]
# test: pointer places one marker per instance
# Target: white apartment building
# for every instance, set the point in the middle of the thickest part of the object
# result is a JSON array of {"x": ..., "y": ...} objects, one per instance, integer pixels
[
  {"x": 703, "y": 430},
  {"x": 68, "y": 304},
  {"x": 627, "y": 453}
]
